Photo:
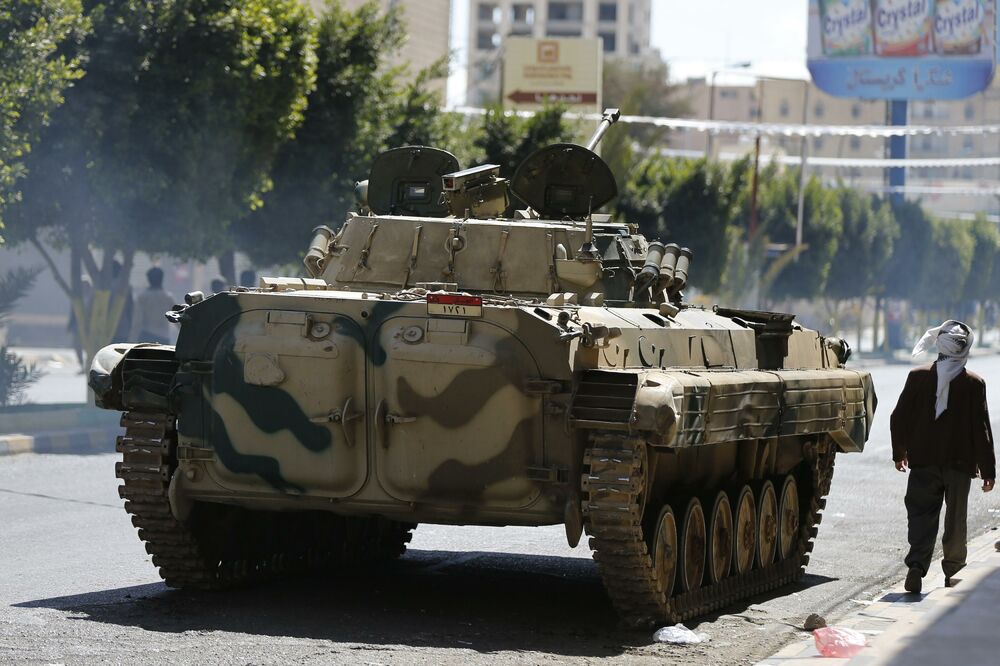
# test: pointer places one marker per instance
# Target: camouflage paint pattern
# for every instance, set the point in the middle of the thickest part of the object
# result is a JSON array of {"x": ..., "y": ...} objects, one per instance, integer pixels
[{"x": 346, "y": 394}]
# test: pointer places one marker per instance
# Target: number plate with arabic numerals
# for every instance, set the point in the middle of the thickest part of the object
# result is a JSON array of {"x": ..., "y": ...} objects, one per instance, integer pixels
[{"x": 454, "y": 305}]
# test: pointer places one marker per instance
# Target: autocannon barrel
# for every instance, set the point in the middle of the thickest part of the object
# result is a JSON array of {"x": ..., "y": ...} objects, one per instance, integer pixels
[{"x": 609, "y": 118}]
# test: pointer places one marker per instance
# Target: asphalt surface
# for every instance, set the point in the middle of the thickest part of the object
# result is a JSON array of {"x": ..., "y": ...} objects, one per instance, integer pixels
[
  {"x": 77, "y": 587},
  {"x": 62, "y": 380}
]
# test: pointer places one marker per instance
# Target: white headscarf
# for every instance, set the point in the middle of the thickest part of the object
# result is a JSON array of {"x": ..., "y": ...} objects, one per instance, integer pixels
[{"x": 954, "y": 341}]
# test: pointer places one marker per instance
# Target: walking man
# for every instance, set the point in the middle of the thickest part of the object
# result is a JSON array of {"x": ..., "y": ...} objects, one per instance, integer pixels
[{"x": 941, "y": 431}]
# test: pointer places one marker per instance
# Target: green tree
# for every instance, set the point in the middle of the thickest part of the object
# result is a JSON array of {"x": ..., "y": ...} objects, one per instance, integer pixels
[
  {"x": 34, "y": 71},
  {"x": 979, "y": 287},
  {"x": 945, "y": 274},
  {"x": 865, "y": 245},
  {"x": 15, "y": 375},
  {"x": 359, "y": 107},
  {"x": 806, "y": 276},
  {"x": 688, "y": 202},
  {"x": 507, "y": 140},
  {"x": 986, "y": 239},
  {"x": 168, "y": 139},
  {"x": 864, "y": 249},
  {"x": 903, "y": 272}
]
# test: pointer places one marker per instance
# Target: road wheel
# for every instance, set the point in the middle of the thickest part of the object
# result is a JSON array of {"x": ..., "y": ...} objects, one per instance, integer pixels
[
  {"x": 745, "y": 519},
  {"x": 788, "y": 517},
  {"x": 693, "y": 546},
  {"x": 665, "y": 551},
  {"x": 767, "y": 524},
  {"x": 720, "y": 538}
]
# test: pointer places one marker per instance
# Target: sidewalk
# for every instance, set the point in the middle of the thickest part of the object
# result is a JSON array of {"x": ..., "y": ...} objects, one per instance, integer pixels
[{"x": 956, "y": 625}]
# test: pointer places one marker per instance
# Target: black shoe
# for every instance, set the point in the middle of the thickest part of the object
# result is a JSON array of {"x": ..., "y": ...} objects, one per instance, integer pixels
[
  {"x": 948, "y": 582},
  {"x": 913, "y": 581}
]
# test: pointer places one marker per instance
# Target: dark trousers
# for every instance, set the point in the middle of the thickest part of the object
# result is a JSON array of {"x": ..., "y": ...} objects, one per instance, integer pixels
[{"x": 925, "y": 490}]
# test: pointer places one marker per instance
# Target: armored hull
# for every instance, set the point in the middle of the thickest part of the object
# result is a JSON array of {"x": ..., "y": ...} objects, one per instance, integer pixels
[{"x": 460, "y": 370}]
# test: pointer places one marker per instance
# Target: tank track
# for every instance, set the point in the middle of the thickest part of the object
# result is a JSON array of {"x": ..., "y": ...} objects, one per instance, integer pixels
[
  {"x": 223, "y": 546},
  {"x": 614, "y": 479}
]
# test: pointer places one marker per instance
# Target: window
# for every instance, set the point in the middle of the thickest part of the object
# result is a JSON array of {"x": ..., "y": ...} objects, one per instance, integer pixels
[
  {"x": 633, "y": 47},
  {"x": 855, "y": 143},
  {"x": 609, "y": 41},
  {"x": 565, "y": 11},
  {"x": 784, "y": 109},
  {"x": 970, "y": 112},
  {"x": 855, "y": 111},
  {"x": 727, "y": 94},
  {"x": 607, "y": 11},
  {"x": 564, "y": 32},
  {"x": 520, "y": 32},
  {"x": 487, "y": 40},
  {"x": 522, "y": 13},
  {"x": 818, "y": 110},
  {"x": 486, "y": 11},
  {"x": 927, "y": 143},
  {"x": 818, "y": 143},
  {"x": 968, "y": 144}
]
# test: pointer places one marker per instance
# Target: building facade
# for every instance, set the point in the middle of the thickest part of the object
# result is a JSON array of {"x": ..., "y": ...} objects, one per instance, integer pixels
[
  {"x": 428, "y": 32},
  {"x": 799, "y": 101},
  {"x": 623, "y": 26}
]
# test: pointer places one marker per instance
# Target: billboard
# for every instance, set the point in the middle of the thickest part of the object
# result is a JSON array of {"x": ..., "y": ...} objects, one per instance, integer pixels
[
  {"x": 565, "y": 70},
  {"x": 903, "y": 49}
]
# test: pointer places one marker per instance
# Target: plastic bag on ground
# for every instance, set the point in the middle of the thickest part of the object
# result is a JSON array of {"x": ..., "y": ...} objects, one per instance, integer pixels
[
  {"x": 679, "y": 635},
  {"x": 839, "y": 642}
]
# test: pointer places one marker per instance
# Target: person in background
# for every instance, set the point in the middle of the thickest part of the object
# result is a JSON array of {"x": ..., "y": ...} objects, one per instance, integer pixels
[
  {"x": 149, "y": 324},
  {"x": 217, "y": 285},
  {"x": 248, "y": 278},
  {"x": 125, "y": 320},
  {"x": 941, "y": 431}
]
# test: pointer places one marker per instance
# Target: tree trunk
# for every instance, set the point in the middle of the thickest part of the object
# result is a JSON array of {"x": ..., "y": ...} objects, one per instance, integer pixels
[{"x": 97, "y": 317}]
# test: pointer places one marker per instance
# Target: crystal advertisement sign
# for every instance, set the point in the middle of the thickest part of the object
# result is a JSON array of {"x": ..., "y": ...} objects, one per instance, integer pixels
[{"x": 903, "y": 49}]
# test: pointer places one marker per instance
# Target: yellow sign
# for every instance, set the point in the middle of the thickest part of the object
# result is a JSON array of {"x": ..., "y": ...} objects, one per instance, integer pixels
[{"x": 565, "y": 70}]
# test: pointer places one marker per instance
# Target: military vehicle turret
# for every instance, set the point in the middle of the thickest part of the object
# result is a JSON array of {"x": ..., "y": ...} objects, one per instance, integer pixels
[{"x": 449, "y": 362}]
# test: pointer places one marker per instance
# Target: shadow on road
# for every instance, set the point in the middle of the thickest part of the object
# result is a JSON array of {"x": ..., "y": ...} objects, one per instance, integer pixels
[{"x": 483, "y": 601}]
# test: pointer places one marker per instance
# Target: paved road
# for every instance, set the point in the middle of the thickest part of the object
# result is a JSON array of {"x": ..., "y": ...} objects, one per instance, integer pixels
[
  {"x": 62, "y": 378},
  {"x": 77, "y": 586}
]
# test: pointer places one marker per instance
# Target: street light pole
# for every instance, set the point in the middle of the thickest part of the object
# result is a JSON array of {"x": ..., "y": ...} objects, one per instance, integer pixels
[
  {"x": 756, "y": 161},
  {"x": 710, "y": 136},
  {"x": 802, "y": 170},
  {"x": 800, "y": 213}
]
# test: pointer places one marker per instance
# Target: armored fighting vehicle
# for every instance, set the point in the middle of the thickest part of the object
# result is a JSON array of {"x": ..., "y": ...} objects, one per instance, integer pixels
[{"x": 451, "y": 362}]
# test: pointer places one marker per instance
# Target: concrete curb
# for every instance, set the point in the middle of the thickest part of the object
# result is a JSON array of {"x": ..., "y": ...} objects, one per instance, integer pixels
[
  {"x": 71, "y": 442},
  {"x": 42, "y": 418},
  {"x": 893, "y": 619},
  {"x": 11, "y": 444}
]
